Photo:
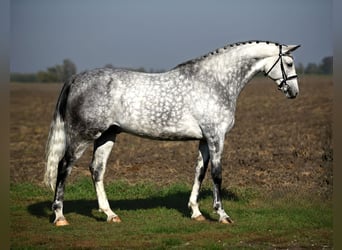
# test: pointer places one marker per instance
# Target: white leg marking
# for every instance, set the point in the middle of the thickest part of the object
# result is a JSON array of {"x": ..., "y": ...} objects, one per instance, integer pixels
[
  {"x": 202, "y": 162},
  {"x": 59, "y": 217},
  {"x": 103, "y": 201},
  {"x": 223, "y": 215},
  {"x": 101, "y": 155},
  {"x": 195, "y": 190}
]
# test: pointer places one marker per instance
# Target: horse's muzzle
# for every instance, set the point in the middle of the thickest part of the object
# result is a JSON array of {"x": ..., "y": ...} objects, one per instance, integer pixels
[{"x": 290, "y": 92}]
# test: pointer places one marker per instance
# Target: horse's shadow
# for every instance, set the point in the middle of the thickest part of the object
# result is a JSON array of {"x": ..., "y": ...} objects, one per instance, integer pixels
[{"x": 177, "y": 201}]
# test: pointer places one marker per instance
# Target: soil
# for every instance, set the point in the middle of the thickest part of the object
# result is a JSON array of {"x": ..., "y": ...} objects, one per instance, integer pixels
[{"x": 276, "y": 143}]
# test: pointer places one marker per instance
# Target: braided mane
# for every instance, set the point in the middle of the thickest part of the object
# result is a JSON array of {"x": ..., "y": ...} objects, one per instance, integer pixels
[{"x": 221, "y": 50}]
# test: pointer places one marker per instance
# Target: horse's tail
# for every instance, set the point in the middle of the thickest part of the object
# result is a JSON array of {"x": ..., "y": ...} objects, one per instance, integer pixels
[{"x": 56, "y": 143}]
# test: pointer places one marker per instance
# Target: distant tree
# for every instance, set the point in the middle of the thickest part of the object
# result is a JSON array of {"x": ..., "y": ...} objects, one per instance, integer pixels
[
  {"x": 47, "y": 76},
  {"x": 312, "y": 68},
  {"x": 156, "y": 70},
  {"x": 109, "y": 65},
  {"x": 140, "y": 69},
  {"x": 42, "y": 76},
  {"x": 58, "y": 73},
  {"x": 326, "y": 65},
  {"x": 67, "y": 70},
  {"x": 23, "y": 77},
  {"x": 54, "y": 73}
]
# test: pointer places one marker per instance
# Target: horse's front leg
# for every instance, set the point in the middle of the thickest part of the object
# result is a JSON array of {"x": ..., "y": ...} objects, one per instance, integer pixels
[
  {"x": 102, "y": 149},
  {"x": 201, "y": 169},
  {"x": 215, "y": 144}
]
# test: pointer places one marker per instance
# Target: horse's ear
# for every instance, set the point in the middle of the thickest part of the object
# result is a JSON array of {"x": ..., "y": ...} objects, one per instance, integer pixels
[{"x": 290, "y": 48}]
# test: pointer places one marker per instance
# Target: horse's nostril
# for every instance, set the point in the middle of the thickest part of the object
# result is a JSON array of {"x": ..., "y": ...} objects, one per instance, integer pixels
[{"x": 293, "y": 95}]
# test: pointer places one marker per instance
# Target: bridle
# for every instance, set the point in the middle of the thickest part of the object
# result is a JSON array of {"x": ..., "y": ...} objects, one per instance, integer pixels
[{"x": 283, "y": 82}]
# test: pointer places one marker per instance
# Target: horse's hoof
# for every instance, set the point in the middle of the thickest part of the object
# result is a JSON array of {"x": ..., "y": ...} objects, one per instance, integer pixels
[
  {"x": 115, "y": 219},
  {"x": 62, "y": 222},
  {"x": 227, "y": 221},
  {"x": 199, "y": 218}
]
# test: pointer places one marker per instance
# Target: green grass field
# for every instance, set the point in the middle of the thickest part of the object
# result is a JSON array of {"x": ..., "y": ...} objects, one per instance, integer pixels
[{"x": 158, "y": 218}]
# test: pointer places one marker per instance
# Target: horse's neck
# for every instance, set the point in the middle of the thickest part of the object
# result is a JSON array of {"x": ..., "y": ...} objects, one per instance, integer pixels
[{"x": 231, "y": 70}]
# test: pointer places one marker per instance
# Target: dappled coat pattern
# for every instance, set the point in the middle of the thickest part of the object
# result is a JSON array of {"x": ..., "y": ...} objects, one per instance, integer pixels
[{"x": 196, "y": 100}]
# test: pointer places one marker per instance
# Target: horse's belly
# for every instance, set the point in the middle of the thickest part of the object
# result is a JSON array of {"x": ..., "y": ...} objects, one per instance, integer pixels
[{"x": 183, "y": 130}]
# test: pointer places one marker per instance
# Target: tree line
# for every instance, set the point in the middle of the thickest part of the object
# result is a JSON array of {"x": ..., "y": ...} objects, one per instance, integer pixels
[
  {"x": 57, "y": 73},
  {"x": 325, "y": 67},
  {"x": 62, "y": 72}
]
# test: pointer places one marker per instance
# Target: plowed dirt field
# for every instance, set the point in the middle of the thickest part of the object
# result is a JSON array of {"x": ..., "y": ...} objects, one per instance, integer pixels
[{"x": 276, "y": 143}]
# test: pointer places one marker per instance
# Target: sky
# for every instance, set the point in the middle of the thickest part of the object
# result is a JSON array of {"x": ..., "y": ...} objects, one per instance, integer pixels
[{"x": 157, "y": 34}]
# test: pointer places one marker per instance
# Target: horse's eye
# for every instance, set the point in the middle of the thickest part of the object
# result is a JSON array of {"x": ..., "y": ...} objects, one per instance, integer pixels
[{"x": 289, "y": 65}]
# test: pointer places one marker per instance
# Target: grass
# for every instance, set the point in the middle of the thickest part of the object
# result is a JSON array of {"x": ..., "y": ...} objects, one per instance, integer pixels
[{"x": 158, "y": 218}]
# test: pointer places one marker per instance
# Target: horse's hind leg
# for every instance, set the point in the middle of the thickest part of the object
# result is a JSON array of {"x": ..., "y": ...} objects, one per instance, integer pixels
[
  {"x": 73, "y": 152},
  {"x": 102, "y": 149},
  {"x": 201, "y": 169}
]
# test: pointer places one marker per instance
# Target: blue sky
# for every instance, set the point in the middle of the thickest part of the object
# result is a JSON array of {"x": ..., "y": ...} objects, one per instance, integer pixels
[{"x": 159, "y": 34}]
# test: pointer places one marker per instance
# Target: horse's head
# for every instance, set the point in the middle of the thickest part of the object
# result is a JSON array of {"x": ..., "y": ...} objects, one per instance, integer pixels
[{"x": 282, "y": 70}]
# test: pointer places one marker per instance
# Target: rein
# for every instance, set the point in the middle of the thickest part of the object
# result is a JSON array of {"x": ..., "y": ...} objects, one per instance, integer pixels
[{"x": 285, "y": 77}]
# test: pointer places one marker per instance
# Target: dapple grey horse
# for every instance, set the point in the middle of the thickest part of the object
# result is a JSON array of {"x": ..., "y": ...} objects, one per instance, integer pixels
[{"x": 196, "y": 100}]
